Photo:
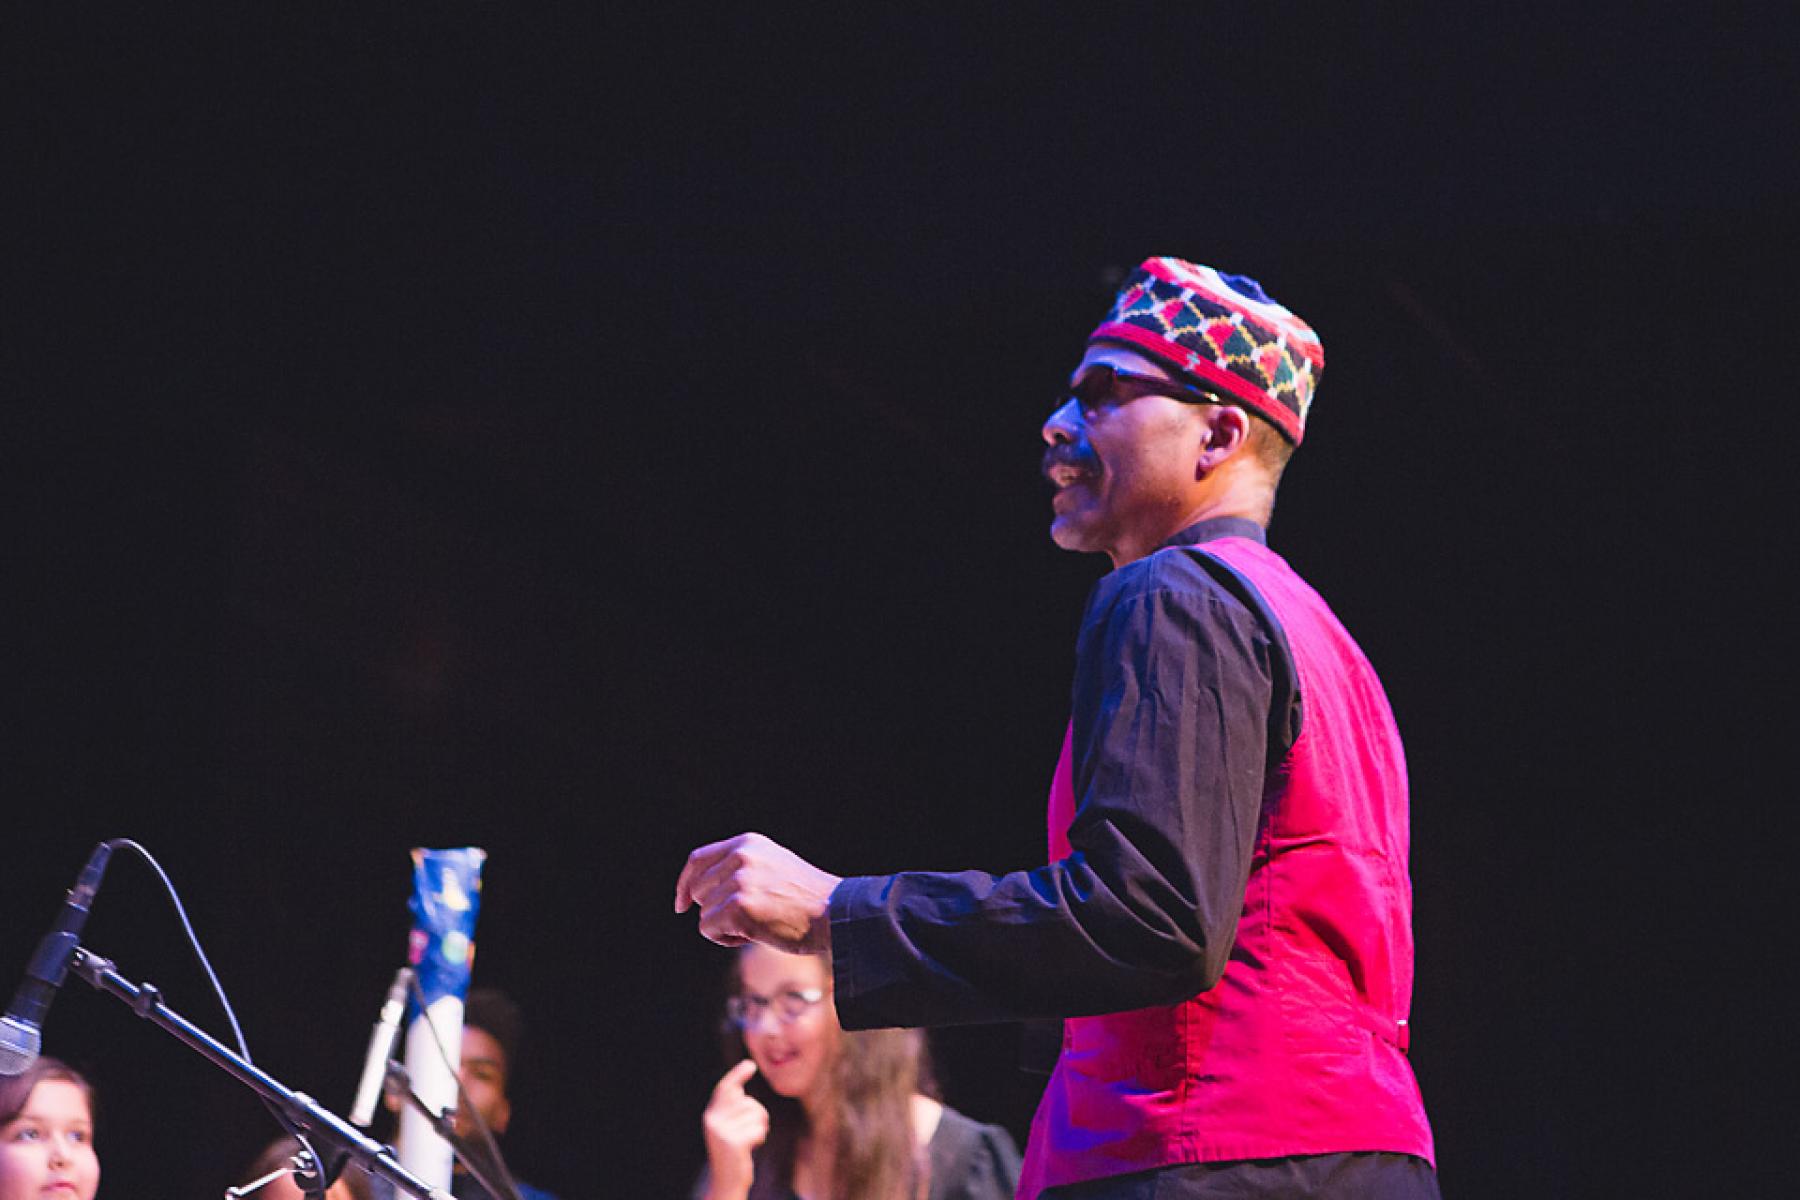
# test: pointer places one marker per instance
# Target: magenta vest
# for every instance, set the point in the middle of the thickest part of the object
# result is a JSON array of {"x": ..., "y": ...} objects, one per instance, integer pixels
[{"x": 1301, "y": 1046}]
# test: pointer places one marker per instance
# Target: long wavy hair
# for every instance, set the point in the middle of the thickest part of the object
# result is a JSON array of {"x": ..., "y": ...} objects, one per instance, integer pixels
[{"x": 870, "y": 1083}]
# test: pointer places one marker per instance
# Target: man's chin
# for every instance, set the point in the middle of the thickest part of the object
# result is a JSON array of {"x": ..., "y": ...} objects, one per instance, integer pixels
[{"x": 1070, "y": 534}]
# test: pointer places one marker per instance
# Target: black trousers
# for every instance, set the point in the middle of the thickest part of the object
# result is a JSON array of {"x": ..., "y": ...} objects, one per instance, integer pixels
[{"x": 1359, "y": 1176}]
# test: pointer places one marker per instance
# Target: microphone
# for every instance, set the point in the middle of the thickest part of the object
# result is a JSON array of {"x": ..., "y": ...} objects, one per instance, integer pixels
[
  {"x": 21, "y": 1030},
  {"x": 381, "y": 1048}
]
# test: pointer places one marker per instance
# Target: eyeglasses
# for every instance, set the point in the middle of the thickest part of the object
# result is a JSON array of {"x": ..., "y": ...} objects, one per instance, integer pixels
[
  {"x": 1103, "y": 383},
  {"x": 746, "y": 1011}
]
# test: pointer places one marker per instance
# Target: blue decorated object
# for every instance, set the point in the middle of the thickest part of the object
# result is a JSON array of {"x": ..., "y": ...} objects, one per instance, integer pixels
[{"x": 445, "y": 902}]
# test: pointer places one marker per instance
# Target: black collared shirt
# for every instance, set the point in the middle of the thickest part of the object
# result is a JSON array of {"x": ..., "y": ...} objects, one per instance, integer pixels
[{"x": 1183, "y": 694}]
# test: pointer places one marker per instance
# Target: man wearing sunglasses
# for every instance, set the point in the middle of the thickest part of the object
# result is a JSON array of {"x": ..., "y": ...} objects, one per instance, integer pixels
[{"x": 1225, "y": 923}]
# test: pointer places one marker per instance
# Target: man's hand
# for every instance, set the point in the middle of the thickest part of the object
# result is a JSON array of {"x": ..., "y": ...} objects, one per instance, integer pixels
[
  {"x": 736, "y": 1124},
  {"x": 749, "y": 889}
]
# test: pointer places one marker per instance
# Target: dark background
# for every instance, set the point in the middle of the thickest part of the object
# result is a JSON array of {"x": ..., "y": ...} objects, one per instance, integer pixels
[{"x": 585, "y": 435}]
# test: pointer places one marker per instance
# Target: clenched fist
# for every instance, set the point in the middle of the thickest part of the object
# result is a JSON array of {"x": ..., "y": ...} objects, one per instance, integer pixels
[{"x": 749, "y": 889}]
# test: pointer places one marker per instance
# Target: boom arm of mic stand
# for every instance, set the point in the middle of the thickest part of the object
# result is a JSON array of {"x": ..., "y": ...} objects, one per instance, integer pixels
[{"x": 300, "y": 1109}]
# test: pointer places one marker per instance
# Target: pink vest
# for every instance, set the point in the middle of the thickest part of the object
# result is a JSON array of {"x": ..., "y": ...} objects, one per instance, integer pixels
[{"x": 1301, "y": 1046}]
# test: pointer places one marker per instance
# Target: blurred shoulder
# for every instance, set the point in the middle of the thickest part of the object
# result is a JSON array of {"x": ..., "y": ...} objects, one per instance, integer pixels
[{"x": 971, "y": 1160}]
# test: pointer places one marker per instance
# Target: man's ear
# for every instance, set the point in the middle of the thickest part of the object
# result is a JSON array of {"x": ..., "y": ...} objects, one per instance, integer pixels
[
  {"x": 1225, "y": 431},
  {"x": 502, "y": 1116}
]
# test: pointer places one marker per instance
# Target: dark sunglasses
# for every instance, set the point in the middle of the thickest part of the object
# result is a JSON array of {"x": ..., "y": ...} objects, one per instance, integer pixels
[{"x": 1104, "y": 383}]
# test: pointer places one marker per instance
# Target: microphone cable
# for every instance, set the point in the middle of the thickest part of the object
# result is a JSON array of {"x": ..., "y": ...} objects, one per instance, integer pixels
[
  {"x": 212, "y": 977},
  {"x": 187, "y": 927}
]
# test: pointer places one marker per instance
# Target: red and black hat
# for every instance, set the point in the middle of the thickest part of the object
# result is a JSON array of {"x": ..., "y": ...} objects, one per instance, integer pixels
[{"x": 1223, "y": 332}]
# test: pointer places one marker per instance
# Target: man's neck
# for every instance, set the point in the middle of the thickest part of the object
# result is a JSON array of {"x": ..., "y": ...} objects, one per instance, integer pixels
[{"x": 1208, "y": 512}]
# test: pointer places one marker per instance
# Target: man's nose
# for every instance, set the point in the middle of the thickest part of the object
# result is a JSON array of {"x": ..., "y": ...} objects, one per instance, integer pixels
[{"x": 1063, "y": 425}]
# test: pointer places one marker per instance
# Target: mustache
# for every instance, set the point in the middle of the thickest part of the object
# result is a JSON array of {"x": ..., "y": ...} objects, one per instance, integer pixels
[{"x": 1078, "y": 456}]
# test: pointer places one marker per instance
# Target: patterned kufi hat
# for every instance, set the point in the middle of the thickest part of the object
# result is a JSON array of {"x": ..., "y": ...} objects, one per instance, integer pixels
[{"x": 1223, "y": 332}]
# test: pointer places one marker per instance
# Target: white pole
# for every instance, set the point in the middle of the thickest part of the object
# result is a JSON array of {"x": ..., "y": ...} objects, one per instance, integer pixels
[
  {"x": 446, "y": 900},
  {"x": 422, "y": 1150}
]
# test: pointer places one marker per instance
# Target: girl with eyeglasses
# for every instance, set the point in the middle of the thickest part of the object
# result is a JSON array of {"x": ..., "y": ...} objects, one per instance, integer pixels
[{"x": 817, "y": 1113}]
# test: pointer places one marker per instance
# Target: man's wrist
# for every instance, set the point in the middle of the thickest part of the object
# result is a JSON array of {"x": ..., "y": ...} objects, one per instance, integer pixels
[{"x": 818, "y": 934}]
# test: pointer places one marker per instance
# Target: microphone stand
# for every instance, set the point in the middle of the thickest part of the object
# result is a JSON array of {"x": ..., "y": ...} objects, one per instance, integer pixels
[{"x": 299, "y": 1110}]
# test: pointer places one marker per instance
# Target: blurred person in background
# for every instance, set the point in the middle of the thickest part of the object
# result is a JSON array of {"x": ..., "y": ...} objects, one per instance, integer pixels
[
  {"x": 820, "y": 1114},
  {"x": 352, "y": 1184},
  {"x": 492, "y": 1037}
]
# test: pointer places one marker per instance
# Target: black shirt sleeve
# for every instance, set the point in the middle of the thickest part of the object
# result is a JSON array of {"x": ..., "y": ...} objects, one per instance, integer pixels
[{"x": 1170, "y": 738}]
